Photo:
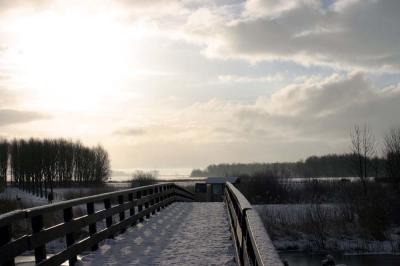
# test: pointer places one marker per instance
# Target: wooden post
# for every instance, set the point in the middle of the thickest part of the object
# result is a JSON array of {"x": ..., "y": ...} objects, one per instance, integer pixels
[
  {"x": 169, "y": 193},
  {"x": 109, "y": 219},
  {"x": 146, "y": 204},
  {"x": 92, "y": 227},
  {"x": 68, "y": 216},
  {"x": 122, "y": 213},
  {"x": 5, "y": 237},
  {"x": 153, "y": 200},
  {"x": 166, "y": 195},
  {"x": 131, "y": 210},
  {"x": 140, "y": 206},
  {"x": 37, "y": 226},
  {"x": 158, "y": 197},
  {"x": 163, "y": 196}
]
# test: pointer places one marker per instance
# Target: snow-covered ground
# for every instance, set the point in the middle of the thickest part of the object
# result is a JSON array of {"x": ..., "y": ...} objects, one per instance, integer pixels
[
  {"x": 285, "y": 222},
  {"x": 27, "y": 199},
  {"x": 182, "y": 234}
]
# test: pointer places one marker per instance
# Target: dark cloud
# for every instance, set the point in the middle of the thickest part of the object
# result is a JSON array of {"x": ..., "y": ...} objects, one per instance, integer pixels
[
  {"x": 8, "y": 116},
  {"x": 349, "y": 34}
]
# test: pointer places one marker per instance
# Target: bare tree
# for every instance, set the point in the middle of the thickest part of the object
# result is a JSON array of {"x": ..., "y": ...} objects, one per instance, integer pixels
[
  {"x": 3, "y": 162},
  {"x": 392, "y": 155},
  {"x": 39, "y": 164},
  {"x": 363, "y": 149}
]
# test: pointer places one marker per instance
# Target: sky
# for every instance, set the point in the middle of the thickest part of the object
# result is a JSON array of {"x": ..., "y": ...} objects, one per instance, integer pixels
[{"x": 181, "y": 84}]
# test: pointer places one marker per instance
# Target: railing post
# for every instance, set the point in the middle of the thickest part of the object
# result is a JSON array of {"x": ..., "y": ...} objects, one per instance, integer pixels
[
  {"x": 92, "y": 227},
  {"x": 158, "y": 197},
  {"x": 109, "y": 219},
  {"x": 122, "y": 213},
  {"x": 146, "y": 204},
  {"x": 243, "y": 247},
  {"x": 172, "y": 193},
  {"x": 68, "y": 216},
  {"x": 37, "y": 226},
  {"x": 140, "y": 206},
  {"x": 165, "y": 196},
  {"x": 162, "y": 195},
  {"x": 131, "y": 210},
  {"x": 153, "y": 200},
  {"x": 5, "y": 237},
  {"x": 168, "y": 194}
]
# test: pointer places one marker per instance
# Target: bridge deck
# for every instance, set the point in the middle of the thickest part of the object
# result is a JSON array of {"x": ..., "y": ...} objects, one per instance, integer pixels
[{"x": 182, "y": 234}]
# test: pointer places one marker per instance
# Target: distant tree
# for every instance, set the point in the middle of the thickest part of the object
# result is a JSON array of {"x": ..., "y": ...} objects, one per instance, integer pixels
[
  {"x": 101, "y": 165},
  {"x": 142, "y": 178},
  {"x": 3, "y": 163},
  {"x": 330, "y": 165},
  {"x": 39, "y": 165},
  {"x": 363, "y": 149},
  {"x": 392, "y": 155},
  {"x": 263, "y": 187}
]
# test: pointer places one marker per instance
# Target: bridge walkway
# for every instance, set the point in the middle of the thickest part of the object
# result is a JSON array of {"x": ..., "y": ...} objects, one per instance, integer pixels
[{"x": 195, "y": 233}]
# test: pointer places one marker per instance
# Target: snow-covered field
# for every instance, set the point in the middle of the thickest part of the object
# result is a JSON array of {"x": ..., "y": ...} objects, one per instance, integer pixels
[
  {"x": 290, "y": 228},
  {"x": 27, "y": 199}
]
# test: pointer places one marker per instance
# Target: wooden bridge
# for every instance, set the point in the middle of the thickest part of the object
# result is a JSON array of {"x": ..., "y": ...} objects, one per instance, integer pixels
[{"x": 151, "y": 225}]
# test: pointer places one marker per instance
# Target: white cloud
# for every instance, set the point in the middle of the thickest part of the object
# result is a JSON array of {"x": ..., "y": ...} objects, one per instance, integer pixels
[
  {"x": 318, "y": 111},
  {"x": 325, "y": 109},
  {"x": 279, "y": 77}
]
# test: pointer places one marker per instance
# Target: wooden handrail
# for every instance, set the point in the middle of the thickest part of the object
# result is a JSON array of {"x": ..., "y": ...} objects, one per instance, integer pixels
[
  {"x": 140, "y": 202},
  {"x": 249, "y": 236}
]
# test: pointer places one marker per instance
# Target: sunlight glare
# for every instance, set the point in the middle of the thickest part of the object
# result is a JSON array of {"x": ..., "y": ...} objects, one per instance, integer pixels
[{"x": 71, "y": 61}]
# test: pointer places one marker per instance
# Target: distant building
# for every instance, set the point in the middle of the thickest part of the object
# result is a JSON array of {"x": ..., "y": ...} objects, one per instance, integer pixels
[{"x": 213, "y": 188}]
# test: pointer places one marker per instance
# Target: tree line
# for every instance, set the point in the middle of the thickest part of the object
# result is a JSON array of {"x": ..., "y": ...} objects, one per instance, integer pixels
[
  {"x": 331, "y": 165},
  {"x": 37, "y": 165},
  {"x": 363, "y": 160},
  {"x": 3, "y": 162}
]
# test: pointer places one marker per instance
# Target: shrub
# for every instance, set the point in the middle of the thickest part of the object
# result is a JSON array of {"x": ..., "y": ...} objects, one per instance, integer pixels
[
  {"x": 263, "y": 187},
  {"x": 142, "y": 178}
]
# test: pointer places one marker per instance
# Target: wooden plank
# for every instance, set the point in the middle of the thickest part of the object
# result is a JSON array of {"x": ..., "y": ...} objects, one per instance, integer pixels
[
  {"x": 92, "y": 226},
  {"x": 80, "y": 201},
  {"x": 5, "y": 238},
  {"x": 76, "y": 224},
  {"x": 11, "y": 217},
  {"x": 84, "y": 244},
  {"x": 37, "y": 226},
  {"x": 12, "y": 249},
  {"x": 232, "y": 230},
  {"x": 238, "y": 197},
  {"x": 41, "y": 236},
  {"x": 121, "y": 213},
  {"x": 132, "y": 208},
  {"x": 69, "y": 237}
]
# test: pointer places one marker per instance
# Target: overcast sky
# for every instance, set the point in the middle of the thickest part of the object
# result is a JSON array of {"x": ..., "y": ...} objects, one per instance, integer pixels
[{"x": 187, "y": 83}]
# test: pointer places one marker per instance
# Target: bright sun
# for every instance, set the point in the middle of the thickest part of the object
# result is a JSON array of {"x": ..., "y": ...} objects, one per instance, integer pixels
[{"x": 70, "y": 61}]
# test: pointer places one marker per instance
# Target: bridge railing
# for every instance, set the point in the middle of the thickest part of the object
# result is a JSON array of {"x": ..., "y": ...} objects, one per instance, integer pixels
[
  {"x": 118, "y": 210},
  {"x": 252, "y": 243}
]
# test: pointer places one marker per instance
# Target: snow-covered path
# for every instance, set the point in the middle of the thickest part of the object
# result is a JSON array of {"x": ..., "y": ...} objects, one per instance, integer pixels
[{"x": 182, "y": 234}]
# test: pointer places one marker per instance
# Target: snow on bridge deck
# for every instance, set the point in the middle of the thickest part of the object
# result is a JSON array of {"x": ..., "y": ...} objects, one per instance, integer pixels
[{"x": 182, "y": 234}]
